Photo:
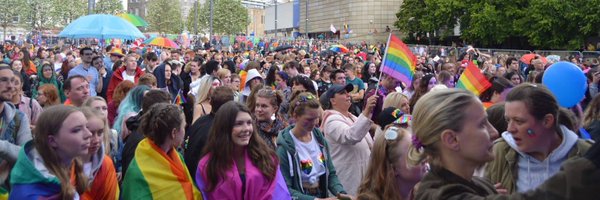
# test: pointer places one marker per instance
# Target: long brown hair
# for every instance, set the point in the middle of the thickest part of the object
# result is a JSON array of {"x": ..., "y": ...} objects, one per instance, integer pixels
[
  {"x": 220, "y": 141},
  {"x": 592, "y": 112},
  {"x": 49, "y": 122},
  {"x": 421, "y": 90},
  {"x": 379, "y": 181}
]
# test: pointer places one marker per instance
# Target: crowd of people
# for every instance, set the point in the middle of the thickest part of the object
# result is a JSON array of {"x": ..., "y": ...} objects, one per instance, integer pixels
[{"x": 150, "y": 123}]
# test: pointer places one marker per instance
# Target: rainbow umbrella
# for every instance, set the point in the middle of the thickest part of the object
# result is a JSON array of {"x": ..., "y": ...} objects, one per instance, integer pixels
[
  {"x": 162, "y": 42},
  {"x": 134, "y": 19},
  {"x": 339, "y": 48}
]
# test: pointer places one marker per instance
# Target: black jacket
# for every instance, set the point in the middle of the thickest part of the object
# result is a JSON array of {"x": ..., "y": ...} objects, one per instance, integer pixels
[
  {"x": 195, "y": 140},
  {"x": 131, "y": 142}
]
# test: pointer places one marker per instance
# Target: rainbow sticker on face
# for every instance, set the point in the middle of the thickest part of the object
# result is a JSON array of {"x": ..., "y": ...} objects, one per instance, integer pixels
[{"x": 306, "y": 166}]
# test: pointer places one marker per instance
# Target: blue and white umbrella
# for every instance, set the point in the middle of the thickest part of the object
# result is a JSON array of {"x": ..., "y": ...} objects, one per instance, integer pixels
[{"x": 101, "y": 27}]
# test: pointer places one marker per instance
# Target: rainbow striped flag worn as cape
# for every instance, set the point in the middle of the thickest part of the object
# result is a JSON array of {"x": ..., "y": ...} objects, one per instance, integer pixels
[
  {"x": 154, "y": 174},
  {"x": 26, "y": 180},
  {"x": 105, "y": 185},
  {"x": 3, "y": 194},
  {"x": 398, "y": 61},
  {"x": 473, "y": 80}
]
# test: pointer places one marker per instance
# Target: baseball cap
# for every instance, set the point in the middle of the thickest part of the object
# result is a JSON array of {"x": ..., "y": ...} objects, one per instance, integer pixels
[{"x": 330, "y": 93}]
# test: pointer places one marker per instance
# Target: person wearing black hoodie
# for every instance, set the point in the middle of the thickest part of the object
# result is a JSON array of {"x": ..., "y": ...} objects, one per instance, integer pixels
[
  {"x": 134, "y": 138},
  {"x": 197, "y": 134},
  {"x": 167, "y": 79}
]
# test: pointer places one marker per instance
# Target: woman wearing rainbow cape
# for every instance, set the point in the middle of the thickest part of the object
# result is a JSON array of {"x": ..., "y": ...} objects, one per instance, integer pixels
[
  {"x": 46, "y": 167},
  {"x": 157, "y": 170},
  {"x": 248, "y": 169},
  {"x": 97, "y": 165}
]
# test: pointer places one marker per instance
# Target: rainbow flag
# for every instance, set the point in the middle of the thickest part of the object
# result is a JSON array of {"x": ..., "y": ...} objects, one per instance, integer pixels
[
  {"x": 3, "y": 194},
  {"x": 105, "y": 184},
  {"x": 473, "y": 80},
  {"x": 154, "y": 174},
  {"x": 180, "y": 98},
  {"x": 398, "y": 61}
]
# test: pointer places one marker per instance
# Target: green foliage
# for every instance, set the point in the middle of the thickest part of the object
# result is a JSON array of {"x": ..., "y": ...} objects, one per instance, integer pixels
[
  {"x": 546, "y": 24},
  {"x": 63, "y": 12},
  {"x": 190, "y": 21},
  {"x": 164, "y": 16},
  {"x": 229, "y": 17},
  {"x": 9, "y": 11},
  {"x": 111, "y": 7}
]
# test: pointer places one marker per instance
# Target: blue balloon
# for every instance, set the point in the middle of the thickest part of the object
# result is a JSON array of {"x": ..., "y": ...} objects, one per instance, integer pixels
[{"x": 567, "y": 82}]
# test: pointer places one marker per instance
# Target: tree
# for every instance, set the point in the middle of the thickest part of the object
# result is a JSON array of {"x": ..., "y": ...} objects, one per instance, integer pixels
[
  {"x": 10, "y": 13},
  {"x": 164, "y": 16},
  {"x": 229, "y": 16},
  {"x": 40, "y": 14},
  {"x": 546, "y": 24},
  {"x": 63, "y": 12},
  {"x": 190, "y": 21},
  {"x": 560, "y": 24},
  {"x": 111, "y": 7},
  {"x": 493, "y": 22}
]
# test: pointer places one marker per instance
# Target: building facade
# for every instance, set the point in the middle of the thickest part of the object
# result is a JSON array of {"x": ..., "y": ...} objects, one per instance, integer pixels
[
  {"x": 285, "y": 24},
  {"x": 351, "y": 18}
]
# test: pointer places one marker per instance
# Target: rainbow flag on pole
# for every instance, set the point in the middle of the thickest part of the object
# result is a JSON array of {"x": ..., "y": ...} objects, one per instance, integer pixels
[
  {"x": 473, "y": 80},
  {"x": 398, "y": 61}
]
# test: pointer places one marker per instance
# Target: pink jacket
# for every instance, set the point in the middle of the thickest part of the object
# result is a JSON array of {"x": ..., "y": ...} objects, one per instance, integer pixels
[
  {"x": 230, "y": 186},
  {"x": 350, "y": 146}
]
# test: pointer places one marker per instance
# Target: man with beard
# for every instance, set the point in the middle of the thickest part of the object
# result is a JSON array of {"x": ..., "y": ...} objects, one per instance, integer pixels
[{"x": 14, "y": 125}]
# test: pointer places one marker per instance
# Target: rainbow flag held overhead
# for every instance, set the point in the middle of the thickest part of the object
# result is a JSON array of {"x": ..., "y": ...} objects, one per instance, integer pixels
[
  {"x": 180, "y": 98},
  {"x": 398, "y": 61},
  {"x": 473, "y": 80},
  {"x": 154, "y": 174}
]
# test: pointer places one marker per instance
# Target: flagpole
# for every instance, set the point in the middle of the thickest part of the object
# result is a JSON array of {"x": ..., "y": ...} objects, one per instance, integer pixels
[{"x": 387, "y": 46}]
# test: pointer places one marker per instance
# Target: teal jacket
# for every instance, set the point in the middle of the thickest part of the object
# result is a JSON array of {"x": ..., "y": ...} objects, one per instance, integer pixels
[{"x": 290, "y": 165}]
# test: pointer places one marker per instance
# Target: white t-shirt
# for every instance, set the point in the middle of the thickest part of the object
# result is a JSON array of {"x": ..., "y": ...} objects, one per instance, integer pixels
[
  {"x": 127, "y": 77},
  {"x": 311, "y": 160}
]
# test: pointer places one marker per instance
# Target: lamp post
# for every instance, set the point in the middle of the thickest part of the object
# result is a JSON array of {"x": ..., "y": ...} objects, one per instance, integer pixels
[
  {"x": 91, "y": 6},
  {"x": 306, "y": 25},
  {"x": 275, "y": 18},
  {"x": 211, "y": 19},
  {"x": 196, "y": 17}
]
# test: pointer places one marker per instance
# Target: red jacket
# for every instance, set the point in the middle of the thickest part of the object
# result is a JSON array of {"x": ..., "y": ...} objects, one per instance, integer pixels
[{"x": 117, "y": 77}]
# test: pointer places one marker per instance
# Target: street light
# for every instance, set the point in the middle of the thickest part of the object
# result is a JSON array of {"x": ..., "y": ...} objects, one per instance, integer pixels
[
  {"x": 306, "y": 25},
  {"x": 275, "y": 18},
  {"x": 196, "y": 17},
  {"x": 211, "y": 19},
  {"x": 91, "y": 6}
]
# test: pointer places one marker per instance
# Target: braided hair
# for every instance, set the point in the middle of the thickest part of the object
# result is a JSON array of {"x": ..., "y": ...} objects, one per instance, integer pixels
[{"x": 158, "y": 122}]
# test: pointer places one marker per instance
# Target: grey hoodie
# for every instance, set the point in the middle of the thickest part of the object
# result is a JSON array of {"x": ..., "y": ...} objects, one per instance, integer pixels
[
  {"x": 533, "y": 172},
  {"x": 92, "y": 168},
  {"x": 12, "y": 138}
]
